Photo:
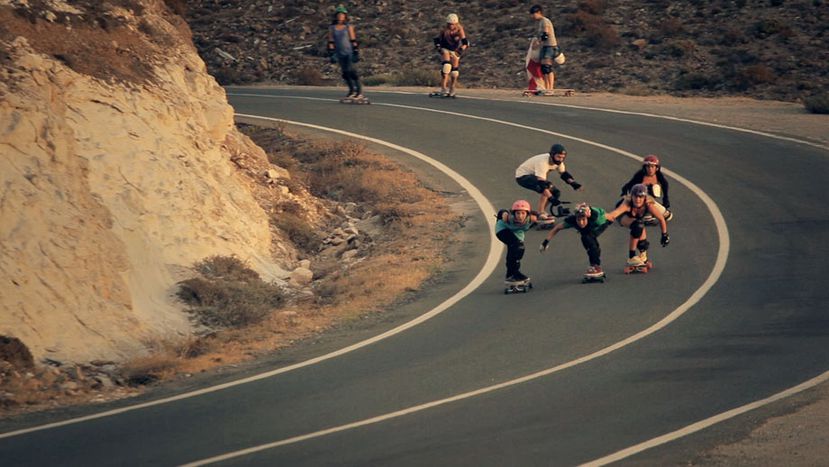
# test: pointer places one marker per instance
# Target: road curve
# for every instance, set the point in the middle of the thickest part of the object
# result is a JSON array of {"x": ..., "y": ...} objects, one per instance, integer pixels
[{"x": 759, "y": 330}]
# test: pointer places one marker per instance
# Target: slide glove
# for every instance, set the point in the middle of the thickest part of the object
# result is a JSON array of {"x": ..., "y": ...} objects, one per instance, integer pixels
[
  {"x": 544, "y": 246},
  {"x": 355, "y": 56},
  {"x": 501, "y": 213},
  {"x": 576, "y": 185},
  {"x": 666, "y": 239}
]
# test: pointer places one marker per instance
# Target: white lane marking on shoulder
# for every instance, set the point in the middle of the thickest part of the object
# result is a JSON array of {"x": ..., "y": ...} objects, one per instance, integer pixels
[
  {"x": 703, "y": 424},
  {"x": 493, "y": 259},
  {"x": 719, "y": 266}
]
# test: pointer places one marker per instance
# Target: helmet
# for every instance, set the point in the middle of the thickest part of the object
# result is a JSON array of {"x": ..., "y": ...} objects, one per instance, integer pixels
[
  {"x": 583, "y": 210},
  {"x": 521, "y": 205},
  {"x": 341, "y": 9},
  {"x": 452, "y": 18},
  {"x": 638, "y": 190},
  {"x": 651, "y": 160},
  {"x": 557, "y": 149}
]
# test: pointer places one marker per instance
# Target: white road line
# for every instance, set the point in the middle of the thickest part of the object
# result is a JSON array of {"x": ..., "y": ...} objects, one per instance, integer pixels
[
  {"x": 719, "y": 266},
  {"x": 703, "y": 424},
  {"x": 496, "y": 249}
]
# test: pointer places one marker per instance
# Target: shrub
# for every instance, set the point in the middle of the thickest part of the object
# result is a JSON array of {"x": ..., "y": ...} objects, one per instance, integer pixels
[
  {"x": 229, "y": 293},
  {"x": 308, "y": 76},
  {"x": 753, "y": 75},
  {"x": 817, "y": 104}
]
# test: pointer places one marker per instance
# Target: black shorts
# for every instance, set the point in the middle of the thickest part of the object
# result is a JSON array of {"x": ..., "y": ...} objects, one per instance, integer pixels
[{"x": 531, "y": 182}]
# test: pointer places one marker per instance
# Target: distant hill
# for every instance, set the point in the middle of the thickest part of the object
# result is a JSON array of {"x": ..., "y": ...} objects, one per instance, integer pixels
[{"x": 770, "y": 49}]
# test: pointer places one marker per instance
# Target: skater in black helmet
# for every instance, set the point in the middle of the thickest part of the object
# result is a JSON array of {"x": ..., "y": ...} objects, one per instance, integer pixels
[
  {"x": 532, "y": 175},
  {"x": 590, "y": 222}
]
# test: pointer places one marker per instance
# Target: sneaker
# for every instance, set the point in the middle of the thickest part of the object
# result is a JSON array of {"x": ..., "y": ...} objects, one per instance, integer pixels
[
  {"x": 643, "y": 255},
  {"x": 594, "y": 271},
  {"x": 358, "y": 97},
  {"x": 635, "y": 261},
  {"x": 668, "y": 215},
  {"x": 543, "y": 217},
  {"x": 518, "y": 277}
]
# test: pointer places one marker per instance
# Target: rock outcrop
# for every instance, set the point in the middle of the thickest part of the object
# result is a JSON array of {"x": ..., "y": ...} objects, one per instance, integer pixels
[{"x": 114, "y": 176}]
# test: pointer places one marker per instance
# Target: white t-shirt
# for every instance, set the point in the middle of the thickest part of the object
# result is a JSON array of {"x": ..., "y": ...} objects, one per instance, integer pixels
[{"x": 539, "y": 166}]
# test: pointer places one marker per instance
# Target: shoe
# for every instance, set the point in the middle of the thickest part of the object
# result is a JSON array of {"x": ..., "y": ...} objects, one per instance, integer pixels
[
  {"x": 643, "y": 255},
  {"x": 668, "y": 215},
  {"x": 358, "y": 97},
  {"x": 594, "y": 271},
  {"x": 635, "y": 261},
  {"x": 543, "y": 217},
  {"x": 518, "y": 277}
]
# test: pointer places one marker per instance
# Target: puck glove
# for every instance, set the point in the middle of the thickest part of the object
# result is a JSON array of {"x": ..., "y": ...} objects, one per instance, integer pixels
[
  {"x": 544, "y": 245},
  {"x": 666, "y": 239}
]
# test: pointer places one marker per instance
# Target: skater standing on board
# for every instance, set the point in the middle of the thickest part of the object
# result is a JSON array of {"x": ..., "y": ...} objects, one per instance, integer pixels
[
  {"x": 510, "y": 229},
  {"x": 545, "y": 37},
  {"x": 343, "y": 49},
  {"x": 590, "y": 222},
  {"x": 450, "y": 44},
  {"x": 631, "y": 213},
  {"x": 656, "y": 183},
  {"x": 532, "y": 175}
]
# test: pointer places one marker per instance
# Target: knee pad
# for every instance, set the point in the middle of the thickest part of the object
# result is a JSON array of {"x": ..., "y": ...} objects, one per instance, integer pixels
[
  {"x": 546, "y": 69},
  {"x": 445, "y": 68},
  {"x": 637, "y": 228},
  {"x": 643, "y": 245},
  {"x": 455, "y": 73},
  {"x": 554, "y": 200}
]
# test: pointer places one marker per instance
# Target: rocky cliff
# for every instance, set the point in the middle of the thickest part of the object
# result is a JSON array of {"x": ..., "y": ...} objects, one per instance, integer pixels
[{"x": 115, "y": 175}]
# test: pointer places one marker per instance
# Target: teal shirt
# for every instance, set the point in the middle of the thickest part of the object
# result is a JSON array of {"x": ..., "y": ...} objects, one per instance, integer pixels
[
  {"x": 517, "y": 229},
  {"x": 595, "y": 223}
]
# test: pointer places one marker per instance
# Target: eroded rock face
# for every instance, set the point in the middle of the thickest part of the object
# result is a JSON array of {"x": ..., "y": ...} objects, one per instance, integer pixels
[{"x": 110, "y": 181}]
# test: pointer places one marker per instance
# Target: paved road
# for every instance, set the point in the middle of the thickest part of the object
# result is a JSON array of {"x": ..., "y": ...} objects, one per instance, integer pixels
[{"x": 761, "y": 328}]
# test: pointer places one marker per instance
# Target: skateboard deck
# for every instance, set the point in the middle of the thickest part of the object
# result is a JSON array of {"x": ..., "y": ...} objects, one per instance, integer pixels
[
  {"x": 545, "y": 224},
  {"x": 643, "y": 269},
  {"x": 440, "y": 94},
  {"x": 588, "y": 279},
  {"x": 560, "y": 92},
  {"x": 349, "y": 100},
  {"x": 517, "y": 287}
]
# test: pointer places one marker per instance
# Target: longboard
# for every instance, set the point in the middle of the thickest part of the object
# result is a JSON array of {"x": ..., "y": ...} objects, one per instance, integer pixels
[
  {"x": 643, "y": 269},
  {"x": 560, "y": 92},
  {"x": 518, "y": 287}
]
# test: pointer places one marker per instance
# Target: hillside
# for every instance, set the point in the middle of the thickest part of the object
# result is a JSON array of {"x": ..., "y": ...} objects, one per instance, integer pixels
[{"x": 769, "y": 49}]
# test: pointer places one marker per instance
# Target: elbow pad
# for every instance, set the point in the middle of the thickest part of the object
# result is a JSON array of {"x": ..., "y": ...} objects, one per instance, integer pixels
[{"x": 544, "y": 36}]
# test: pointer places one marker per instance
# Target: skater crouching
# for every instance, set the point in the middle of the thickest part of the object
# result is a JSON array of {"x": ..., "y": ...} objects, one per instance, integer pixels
[
  {"x": 631, "y": 213},
  {"x": 532, "y": 175},
  {"x": 343, "y": 48},
  {"x": 656, "y": 183},
  {"x": 590, "y": 222},
  {"x": 510, "y": 229}
]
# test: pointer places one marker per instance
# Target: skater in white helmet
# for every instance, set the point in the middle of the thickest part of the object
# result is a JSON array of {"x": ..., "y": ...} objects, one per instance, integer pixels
[
  {"x": 532, "y": 175},
  {"x": 450, "y": 44},
  {"x": 631, "y": 213},
  {"x": 590, "y": 222},
  {"x": 510, "y": 229}
]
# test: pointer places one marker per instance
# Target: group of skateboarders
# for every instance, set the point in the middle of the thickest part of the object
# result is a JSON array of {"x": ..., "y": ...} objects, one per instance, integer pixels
[
  {"x": 450, "y": 44},
  {"x": 644, "y": 201}
]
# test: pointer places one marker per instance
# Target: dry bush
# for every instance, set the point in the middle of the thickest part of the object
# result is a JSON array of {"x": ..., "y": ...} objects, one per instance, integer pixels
[
  {"x": 229, "y": 294},
  {"x": 818, "y": 104},
  {"x": 670, "y": 27},
  {"x": 299, "y": 231},
  {"x": 147, "y": 370},
  {"x": 308, "y": 76},
  {"x": 411, "y": 76},
  {"x": 593, "y": 29},
  {"x": 594, "y": 7},
  {"x": 752, "y": 75}
]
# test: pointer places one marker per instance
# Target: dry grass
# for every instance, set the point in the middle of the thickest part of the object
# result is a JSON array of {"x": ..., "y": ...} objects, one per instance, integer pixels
[{"x": 247, "y": 317}]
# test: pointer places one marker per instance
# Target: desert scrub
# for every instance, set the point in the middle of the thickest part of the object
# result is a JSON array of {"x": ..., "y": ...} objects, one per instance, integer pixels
[
  {"x": 818, "y": 104},
  {"x": 228, "y": 294}
]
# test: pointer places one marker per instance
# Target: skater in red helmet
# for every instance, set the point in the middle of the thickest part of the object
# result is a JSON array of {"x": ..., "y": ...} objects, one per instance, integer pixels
[
  {"x": 656, "y": 183},
  {"x": 510, "y": 229}
]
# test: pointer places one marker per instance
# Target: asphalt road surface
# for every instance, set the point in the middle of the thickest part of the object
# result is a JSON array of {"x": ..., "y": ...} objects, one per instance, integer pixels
[{"x": 733, "y": 312}]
